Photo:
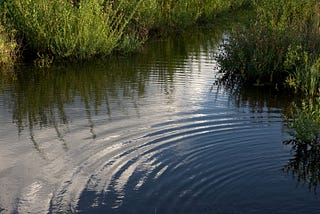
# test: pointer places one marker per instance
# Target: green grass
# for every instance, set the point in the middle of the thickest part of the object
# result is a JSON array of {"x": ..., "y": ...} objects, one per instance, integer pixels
[
  {"x": 66, "y": 30},
  {"x": 89, "y": 28},
  {"x": 304, "y": 122},
  {"x": 8, "y": 49},
  {"x": 280, "y": 48}
]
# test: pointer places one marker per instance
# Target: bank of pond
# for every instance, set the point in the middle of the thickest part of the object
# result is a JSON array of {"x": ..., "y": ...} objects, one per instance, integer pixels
[{"x": 278, "y": 46}]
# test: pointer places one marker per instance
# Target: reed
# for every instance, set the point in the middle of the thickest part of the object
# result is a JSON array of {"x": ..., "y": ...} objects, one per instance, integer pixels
[
  {"x": 8, "y": 49},
  {"x": 281, "y": 47},
  {"x": 187, "y": 12},
  {"x": 304, "y": 123},
  {"x": 65, "y": 29},
  {"x": 82, "y": 29}
]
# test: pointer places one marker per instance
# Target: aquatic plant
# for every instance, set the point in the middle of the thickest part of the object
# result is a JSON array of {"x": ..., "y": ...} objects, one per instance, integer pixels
[
  {"x": 304, "y": 123},
  {"x": 259, "y": 54},
  {"x": 305, "y": 77}
]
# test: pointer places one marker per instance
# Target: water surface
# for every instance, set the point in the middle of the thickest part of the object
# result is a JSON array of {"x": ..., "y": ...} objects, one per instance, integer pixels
[{"x": 148, "y": 133}]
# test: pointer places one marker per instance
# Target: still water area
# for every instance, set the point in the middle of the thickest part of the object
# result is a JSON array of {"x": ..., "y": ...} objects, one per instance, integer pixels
[{"x": 147, "y": 133}]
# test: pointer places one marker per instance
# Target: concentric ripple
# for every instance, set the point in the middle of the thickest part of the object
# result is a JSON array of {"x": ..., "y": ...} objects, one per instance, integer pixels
[{"x": 180, "y": 162}]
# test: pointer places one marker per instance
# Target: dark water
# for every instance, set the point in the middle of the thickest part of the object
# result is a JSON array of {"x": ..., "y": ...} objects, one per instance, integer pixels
[{"x": 148, "y": 133}]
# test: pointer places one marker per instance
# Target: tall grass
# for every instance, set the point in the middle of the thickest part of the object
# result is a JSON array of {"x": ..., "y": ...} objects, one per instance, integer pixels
[
  {"x": 85, "y": 28},
  {"x": 187, "y": 12},
  {"x": 304, "y": 122},
  {"x": 163, "y": 16},
  {"x": 8, "y": 48},
  {"x": 281, "y": 47},
  {"x": 66, "y": 29}
]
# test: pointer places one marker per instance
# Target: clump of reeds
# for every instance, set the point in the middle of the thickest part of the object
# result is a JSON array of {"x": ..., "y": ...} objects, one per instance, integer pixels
[
  {"x": 304, "y": 122},
  {"x": 280, "y": 48},
  {"x": 82, "y": 29},
  {"x": 79, "y": 29}
]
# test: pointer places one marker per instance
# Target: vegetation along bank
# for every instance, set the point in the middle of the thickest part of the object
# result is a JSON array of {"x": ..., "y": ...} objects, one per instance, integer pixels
[
  {"x": 280, "y": 48},
  {"x": 81, "y": 29}
]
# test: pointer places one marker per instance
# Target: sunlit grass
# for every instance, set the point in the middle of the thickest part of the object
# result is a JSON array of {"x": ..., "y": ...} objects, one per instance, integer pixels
[
  {"x": 63, "y": 29},
  {"x": 89, "y": 28},
  {"x": 8, "y": 49}
]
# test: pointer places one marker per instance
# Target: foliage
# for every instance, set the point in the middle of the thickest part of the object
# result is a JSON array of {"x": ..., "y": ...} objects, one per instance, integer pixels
[
  {"x": 187, "y": 12},
  {"x": 8, "y": 48},
  {"x": 66, "y": 29},
  {"x": 306, "y": 71},
  {"x": 265, "y": 51},
  {"x": 84, "y": 28},
  {"x": 304, "y": 122}
]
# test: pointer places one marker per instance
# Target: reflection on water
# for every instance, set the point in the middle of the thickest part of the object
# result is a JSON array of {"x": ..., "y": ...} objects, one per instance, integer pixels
[
  {"x": 304, "y": 121},
  {"x": 41, "y": 98},
  {"x": 148, "y": 133},
  {"x": 305, "y": 166}
]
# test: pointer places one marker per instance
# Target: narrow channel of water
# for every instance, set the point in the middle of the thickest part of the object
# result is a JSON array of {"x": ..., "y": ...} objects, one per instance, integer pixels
[{"x": 148, "y": 133}]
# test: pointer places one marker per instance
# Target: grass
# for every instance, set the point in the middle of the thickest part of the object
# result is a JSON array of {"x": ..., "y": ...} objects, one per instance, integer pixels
[
  {"x": 304, "y": 121},
  {"x": 8, "y": 49},
  {"x": 280, "y": 48},
  {"x": 89, "y": 28},
  {"x": 66, "y": 30}
]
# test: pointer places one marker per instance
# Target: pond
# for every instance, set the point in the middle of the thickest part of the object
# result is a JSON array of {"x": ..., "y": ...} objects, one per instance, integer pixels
[{"x": 147, "y": 133}]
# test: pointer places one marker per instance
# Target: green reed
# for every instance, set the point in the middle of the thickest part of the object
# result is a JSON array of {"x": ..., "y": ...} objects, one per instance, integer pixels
[
  {"x": 304, "y": 122},
  {"x": 187, "y": 12},
  {"x": 8, "y": 48},
  {"x": 82, "y": 29},
  {"x": 65, "y": 29},
  {"x": 272, "y": 49}
]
